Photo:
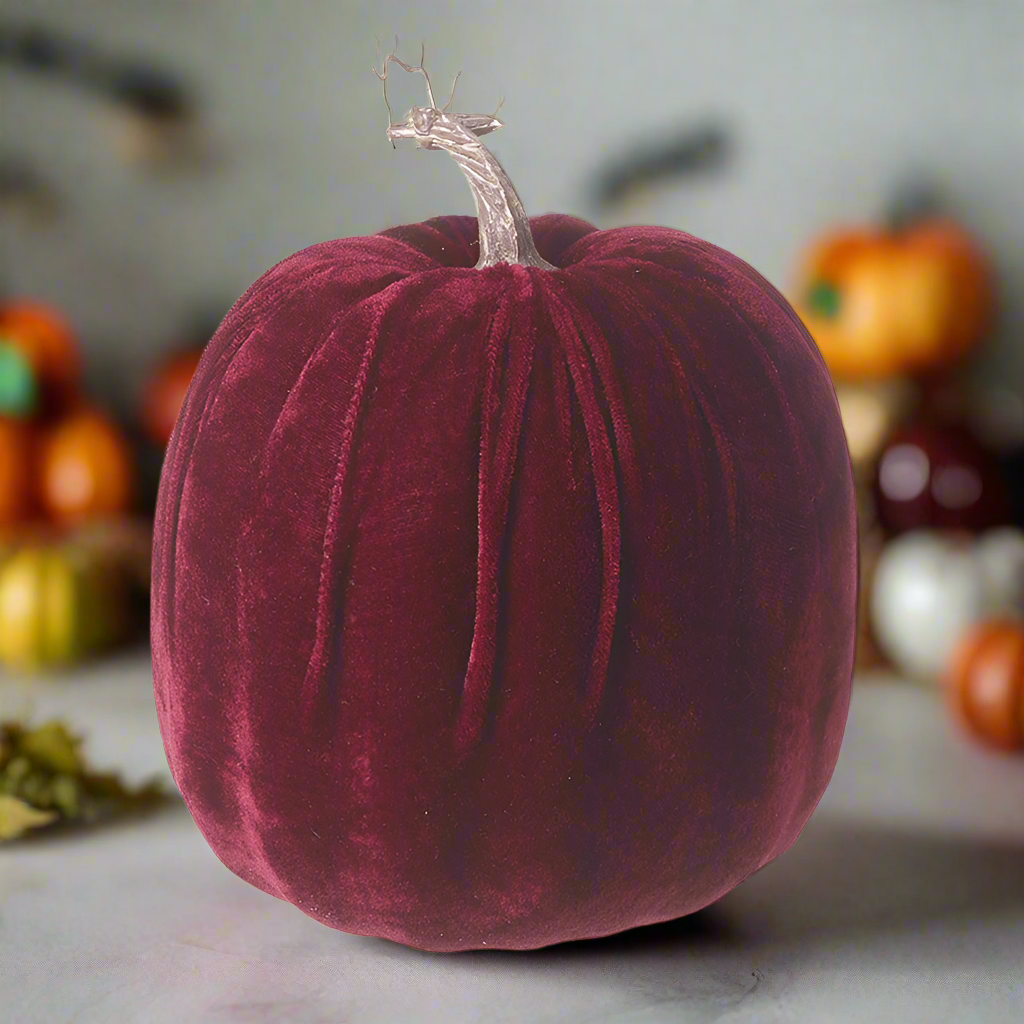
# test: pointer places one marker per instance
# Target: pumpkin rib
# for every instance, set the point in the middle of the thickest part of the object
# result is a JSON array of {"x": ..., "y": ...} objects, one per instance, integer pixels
[
  {"x": 243, "y": 736},
  {"x": 563, "y": 405},
  {"x": 320, "y": 656},
  {"x": 162, "y": 627},
  {"x": 623, "y": 458},
  {"x": 687, "y": 384},
  {"x": 600, "y": 352},
  {"x": 602, "y": 457},
  {"x": 816, "y": 724},
  {"x": 499, "y": 449},
  {"x": 164, "y": 599},
  {"x": 436, "y": 230}
]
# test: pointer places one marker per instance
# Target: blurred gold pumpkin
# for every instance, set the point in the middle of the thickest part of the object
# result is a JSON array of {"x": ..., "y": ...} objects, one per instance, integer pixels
[
  {"x": 881, "y": 303},
  {"x": 58, "y": 604}
]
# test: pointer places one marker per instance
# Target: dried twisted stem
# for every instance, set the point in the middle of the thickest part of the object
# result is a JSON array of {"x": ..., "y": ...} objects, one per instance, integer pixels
[
  {"x": 504, "y": 228},
  {"x": 383, "y": 75}
]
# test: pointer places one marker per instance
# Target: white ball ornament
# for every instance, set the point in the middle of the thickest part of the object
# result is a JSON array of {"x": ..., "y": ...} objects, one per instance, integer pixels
[
  {"x": 931, "y": 586},
  {"x": 927, "y": 591}
]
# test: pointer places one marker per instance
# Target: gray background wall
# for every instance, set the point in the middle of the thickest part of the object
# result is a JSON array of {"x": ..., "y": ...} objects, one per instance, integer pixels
[{"x": 831, "y": 102}]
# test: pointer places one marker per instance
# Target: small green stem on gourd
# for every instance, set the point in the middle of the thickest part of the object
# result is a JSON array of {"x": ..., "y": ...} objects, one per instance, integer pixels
[{"x": 504, "y": 227}]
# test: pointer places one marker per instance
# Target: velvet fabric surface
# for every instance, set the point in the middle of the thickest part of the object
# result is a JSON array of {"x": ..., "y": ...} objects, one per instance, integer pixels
[{"x": 497, "y": 608}]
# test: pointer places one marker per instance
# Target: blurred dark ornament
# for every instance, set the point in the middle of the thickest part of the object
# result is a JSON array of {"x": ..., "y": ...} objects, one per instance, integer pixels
[
  {"x": 945, "y": 394},
  {"x": 934, "y": 474},
  {"x": 1011, "y": 466},
  {"x": 149, "y": 460},
  {"x": 697, "y": 150},
  {"x": 996, "y": 416},
  {"x": 867, "y": 508}
]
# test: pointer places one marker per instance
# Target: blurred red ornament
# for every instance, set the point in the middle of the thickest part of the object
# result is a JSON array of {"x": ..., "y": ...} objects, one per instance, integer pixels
[
  {"x": 165, "y": 394},
  {"x": 985, "y": 683},
  {"x": 17, "y": 455},
  {"x": 934, "y": 475}
]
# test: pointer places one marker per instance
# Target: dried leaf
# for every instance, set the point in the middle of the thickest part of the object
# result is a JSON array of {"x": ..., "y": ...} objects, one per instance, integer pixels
[
  {"x": 43, "y": 779},
  {"x": 52, "y": 746},
  {"x": 17, "y": 817}
]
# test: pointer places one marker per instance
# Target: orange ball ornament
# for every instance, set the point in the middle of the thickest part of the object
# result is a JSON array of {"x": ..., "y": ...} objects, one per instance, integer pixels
[
  {"x": 17, "y": 467},
  {"x": 46, "y": 340},
  {"x": 882, "y": 303},
  {"x": 165, "y": 394},
  {"x": 985, "y": 683},
  {"x": 85, "y": 468}
]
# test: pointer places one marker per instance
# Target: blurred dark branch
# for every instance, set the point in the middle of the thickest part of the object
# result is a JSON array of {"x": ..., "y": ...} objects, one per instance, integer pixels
[
  {"x": 137, "y": 85},
  {"x": 914, "y": 199},
  {"x": 697, "y": 150}
]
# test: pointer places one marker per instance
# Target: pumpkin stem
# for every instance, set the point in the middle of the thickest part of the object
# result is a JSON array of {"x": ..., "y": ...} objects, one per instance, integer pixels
[{"x": 504, "y": 227}]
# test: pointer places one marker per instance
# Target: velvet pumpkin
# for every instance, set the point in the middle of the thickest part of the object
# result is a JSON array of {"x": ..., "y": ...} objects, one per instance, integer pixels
[{"x": 504, "y": 575}]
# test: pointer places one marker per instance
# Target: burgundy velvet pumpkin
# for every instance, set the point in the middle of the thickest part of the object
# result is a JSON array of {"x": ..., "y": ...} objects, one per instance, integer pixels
[{"x": 504, "y": 596}]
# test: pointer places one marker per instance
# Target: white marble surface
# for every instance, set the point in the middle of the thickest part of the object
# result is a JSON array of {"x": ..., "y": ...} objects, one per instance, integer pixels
[{"x": 902, "y": 901}]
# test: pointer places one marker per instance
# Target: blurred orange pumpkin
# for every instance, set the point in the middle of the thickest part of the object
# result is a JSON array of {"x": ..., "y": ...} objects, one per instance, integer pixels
[
  {"x": 17, "y": 465},
  {"x": 47, "y": 341},
  {"x": 86, "y": 468},
  {"x": 986, "y": 683},
  {"x": 880, "y": 303},
  {"x": 165, "y": 393}
]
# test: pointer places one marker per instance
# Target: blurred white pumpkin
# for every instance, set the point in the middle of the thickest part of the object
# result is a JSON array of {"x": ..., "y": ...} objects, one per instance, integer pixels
[{"x": 931, "y": 586}]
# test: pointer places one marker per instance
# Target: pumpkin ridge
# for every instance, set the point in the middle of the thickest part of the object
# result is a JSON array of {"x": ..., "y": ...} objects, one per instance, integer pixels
[
  {"x": 323, "y": 611},
  {"x": 564, "y": 312},
  {"x": 597, "y": 345},
  {"x": 499, "y": 448},
  {"x": 242, "y": 738},
  {"x": 180, "y": 462},
  {"x": 324, "y": 651},
  {"x": 801, "y": 608},
  {"x": 808, "y": 794},
  {"x": 445, "y": 231},
  {"x": 689, "y": 390}
]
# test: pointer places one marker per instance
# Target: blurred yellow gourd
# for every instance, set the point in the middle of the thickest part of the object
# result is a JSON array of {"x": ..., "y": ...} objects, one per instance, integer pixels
[{"x": 58, "y": 605}]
